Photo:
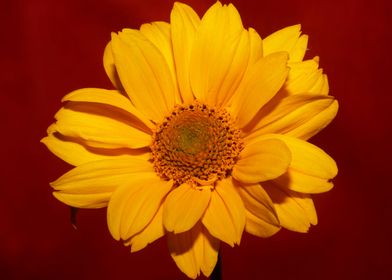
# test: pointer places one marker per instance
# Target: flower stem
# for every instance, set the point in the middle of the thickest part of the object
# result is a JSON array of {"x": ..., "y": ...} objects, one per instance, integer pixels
[
  {"x": 73, "y": 214},
  {"x": 217, "y": 272}
]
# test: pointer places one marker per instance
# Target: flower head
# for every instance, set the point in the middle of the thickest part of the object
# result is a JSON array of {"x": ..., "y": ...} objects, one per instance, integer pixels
[{"x": 204, "y": 137}]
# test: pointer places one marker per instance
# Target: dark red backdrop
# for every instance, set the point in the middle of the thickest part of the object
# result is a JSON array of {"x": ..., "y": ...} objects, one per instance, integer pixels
[{"x": 49, "y": 48}]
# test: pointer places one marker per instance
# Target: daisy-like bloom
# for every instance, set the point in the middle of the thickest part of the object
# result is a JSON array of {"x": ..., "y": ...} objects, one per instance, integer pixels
[{"x": 204, "y": 137}]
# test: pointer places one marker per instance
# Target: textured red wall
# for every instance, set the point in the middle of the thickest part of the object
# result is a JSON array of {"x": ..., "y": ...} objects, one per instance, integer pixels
[{"x": 49, "y": 48}]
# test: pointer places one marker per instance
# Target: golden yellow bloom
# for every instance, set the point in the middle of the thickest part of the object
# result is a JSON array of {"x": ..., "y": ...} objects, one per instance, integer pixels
[{"x": 205, "y": 135}]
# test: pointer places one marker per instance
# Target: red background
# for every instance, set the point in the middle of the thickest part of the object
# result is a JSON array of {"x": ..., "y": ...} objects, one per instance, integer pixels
[{"x": 49, "y": 48}]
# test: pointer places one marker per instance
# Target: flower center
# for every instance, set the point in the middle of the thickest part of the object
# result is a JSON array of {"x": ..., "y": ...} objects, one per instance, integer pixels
[{"x": 196, "y": 144}]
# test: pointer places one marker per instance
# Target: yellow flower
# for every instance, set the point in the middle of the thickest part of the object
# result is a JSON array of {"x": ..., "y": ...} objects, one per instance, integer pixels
[{"x": 205, "y": 135}]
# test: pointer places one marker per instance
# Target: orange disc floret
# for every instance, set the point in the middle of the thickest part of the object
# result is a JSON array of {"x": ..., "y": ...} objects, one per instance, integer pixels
[{"x": 196, "y": 143}]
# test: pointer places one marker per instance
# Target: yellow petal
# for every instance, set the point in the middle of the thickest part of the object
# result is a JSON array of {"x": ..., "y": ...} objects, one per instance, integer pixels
[
  {"x": 298, "y": 51},
  {"x": 316, "y": 123},
  {"x": 287, "y": 40},
  {"x": 181, "y": 249},
  {"x": 220, "y": 54},
  {"x": 184, "y": 206},
  {"x": 207, "y": 248},
  {"x": 153, "y": 231},
  {"x": 160, "y": 35},
  {"x": 140, "y": 207},
  {"x": 261, "y": 219},
  {"x": 255, "y": 53},
  {"x": 259, "y": 227},
  {"x": 114, "y": 99},
  {"x": 225, "y": 215},
  {"x": 134, "y": 204},
  {"x": 262, "y": 160},
  {"x": 307, "y": 158},
  {"x": 255, "y": 46},
  {"x": 292, "y": 115},
  {"x": 194, "y": 250},
  {"x": 306, "y": 77},
  {"x": 94, "y": 200},
  {"x": 302, "y": 69},
  {"x": 71, "y": 152},
  {"x": 318, "y": 87},
  {"x": 304, "y": 83},
  {"x": 310, "y": 169},
  {"x": 325, "y": 87},
  {"x": 260, "y": 84},
  {"x": 110, "y": 67},
  {"x": 184, "y": 22},
  {"x": 99, "y": 131},
  {"x": 102, "y": 176},
  {"x": 295, "y": 210},
  {"x": 234, "y": 73},
  {"x": 144, "y": 74},
  {"x": 300, "y": 182},
  {"x": 298, "y": 69}
]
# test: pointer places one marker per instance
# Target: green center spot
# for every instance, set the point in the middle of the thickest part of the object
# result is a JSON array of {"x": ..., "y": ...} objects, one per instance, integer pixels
[{"x": 192, "y": 138}]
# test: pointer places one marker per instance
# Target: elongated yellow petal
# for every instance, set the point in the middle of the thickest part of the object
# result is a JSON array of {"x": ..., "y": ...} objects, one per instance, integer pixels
[
  {"x": 141, "y": 207},
  {"x": 300, "y": 182},
  {"x": 282, "y": 40},
  {"x": 134, "y": 204},
  {"x": 99, "y": 131},
  {"x": 298, "y": 51},
  {"x": 71, "y": 152},
  {"x": 144, "y": 74},
  {"x": 184, "y": 206},
  {"x": 102, "y": 176},
  {"x": 110, "y": 67},
  {"x": 261, "y": 219},
  {"x": 287, "y": 39},
  {"x": 298, "y": 69},
  {"x": 318, "y": 87},
  {"x": 307, "y": 204},
  {"x": 113, "y": 98},
  {"x": 295, "y": 210},
  {"x": 325, "y": 87},
  {"x": 225, "y": 215},
  {"x": 260, "y": 84},
  {"x": 84, "y": 200},
  {"x": 181, "y": 250},
  {"x": 159, "y": 34},
  {"x": 316, "y": 123},
  {"x": 310, "y": 169},
  {"x": 305, "y": 83},
  {"x": 307, "y": 158},
  {"x": 255, "y": 53},
  {"x": 184, "y": 23},
  {"x": 306, "y": 77},
  {"x": 153, "y": 231},
  {"x": 292, "y": 115},
  {"x": 259, "y": 227},
  {"x": 220, "y": 54},
  {"x": 207, "y": 248},
  {"x": 255, "y": 46},
  {"x": 234, "y": 73},
  {"x": 194, "y": 250},
  {"x": 262, "y": 160}
]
